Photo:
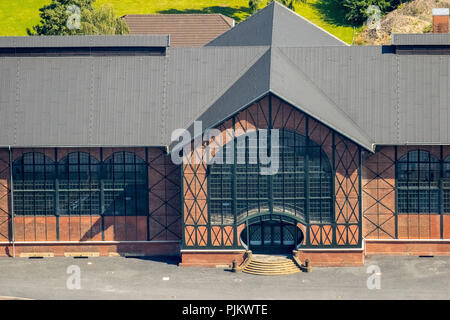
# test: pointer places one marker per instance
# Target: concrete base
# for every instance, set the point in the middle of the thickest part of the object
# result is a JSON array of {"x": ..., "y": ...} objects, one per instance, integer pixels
[
  {"x": 408, "y": 247},
  {"x": 332, "y": 258},
  {"x": 211, "y": 258}
]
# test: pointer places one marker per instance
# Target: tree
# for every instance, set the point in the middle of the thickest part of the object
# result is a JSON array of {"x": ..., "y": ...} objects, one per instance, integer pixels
[
  {"x": 103, "y": 21},
  {"x": 77, "y": 17},
  {"x": 288, "y": 3},
  {"x": 253, "y": 5}
]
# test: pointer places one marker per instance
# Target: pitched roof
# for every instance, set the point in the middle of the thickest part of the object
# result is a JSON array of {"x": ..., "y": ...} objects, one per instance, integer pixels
[
  {"x": 420, "y": 39},
  {"x": 186, "y": 30},
  {"x": 276, "y": 25},
  {"x": 371, "y": 95},
  {"x": 157, "y": 40}
]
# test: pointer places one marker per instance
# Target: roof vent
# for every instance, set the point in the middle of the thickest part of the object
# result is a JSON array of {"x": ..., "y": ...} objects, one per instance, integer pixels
[{"x": 440, "y": 20}]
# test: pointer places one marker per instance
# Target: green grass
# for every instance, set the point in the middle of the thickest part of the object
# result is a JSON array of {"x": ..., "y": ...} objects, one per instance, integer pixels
[{"x": 17, "y": 15}]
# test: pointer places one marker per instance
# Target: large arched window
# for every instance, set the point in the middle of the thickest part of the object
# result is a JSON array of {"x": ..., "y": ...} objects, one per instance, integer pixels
[
  {"x": 34, "y": 185},
  {"x": 418, "y": 174},
  {"x": 125, "y": 185},
  {"x": 303, "y": 179},
  {"x": 79, "y": 184}
]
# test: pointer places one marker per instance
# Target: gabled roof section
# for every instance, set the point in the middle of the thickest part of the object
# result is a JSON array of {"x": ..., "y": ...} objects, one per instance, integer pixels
[
  {"x": 251, "y": 84},
  {"x": 419, "y": 39},
  {"x": 186, "y": 30},
  {"x": 292, "y": 85},
  {"x": 274, "y": 72},
  {"x": 156, "y": 40},
  {"x": 277, "y": 26}
]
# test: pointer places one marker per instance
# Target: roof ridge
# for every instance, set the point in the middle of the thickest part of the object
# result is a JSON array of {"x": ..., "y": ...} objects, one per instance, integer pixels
[
  {"x": 225, "y": 18},
  {"x": 232, "y": 82},
  {"x": 324, "y": 95},
  {"x": 244, "y": 22},
  {"x": 310, "y": 22}
]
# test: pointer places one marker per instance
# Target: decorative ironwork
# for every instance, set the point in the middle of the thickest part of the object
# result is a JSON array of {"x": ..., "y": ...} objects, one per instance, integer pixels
[
  {"x": 347, "y": 213},
  {"x": 379, "y": 194},
  {"x": 164, "y": 191}
]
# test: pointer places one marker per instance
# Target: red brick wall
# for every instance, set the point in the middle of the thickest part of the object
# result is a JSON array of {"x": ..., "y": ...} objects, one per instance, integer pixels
[
  {"x": 379, "y": 219},
  {"x": 332, "y": 258},
  {"x": 162, "y": 224}
]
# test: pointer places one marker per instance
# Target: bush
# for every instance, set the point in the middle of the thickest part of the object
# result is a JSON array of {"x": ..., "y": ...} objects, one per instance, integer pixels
[{"x": 356, "y": 9}]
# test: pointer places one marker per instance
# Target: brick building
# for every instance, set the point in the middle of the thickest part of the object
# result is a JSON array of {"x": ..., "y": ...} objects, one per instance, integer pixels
[{"x": 86, "y": 145}]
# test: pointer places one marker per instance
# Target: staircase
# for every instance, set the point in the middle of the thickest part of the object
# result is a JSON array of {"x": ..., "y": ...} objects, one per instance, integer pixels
[{"x": 271, "y": 265}]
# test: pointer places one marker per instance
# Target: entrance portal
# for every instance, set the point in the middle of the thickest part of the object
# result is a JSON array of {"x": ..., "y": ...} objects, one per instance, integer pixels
[{"x": 272, "y": 237}]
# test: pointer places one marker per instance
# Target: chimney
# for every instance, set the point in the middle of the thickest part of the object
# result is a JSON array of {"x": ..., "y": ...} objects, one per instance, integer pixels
[{"x": 440, "y": 20}]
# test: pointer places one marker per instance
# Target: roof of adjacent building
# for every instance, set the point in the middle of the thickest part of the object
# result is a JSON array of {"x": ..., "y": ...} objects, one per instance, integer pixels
[
  {"x": 435, "y": 39},
  {"x": 277, "y": 26},
  {"x": 369, "y": 94},
  {"x": 160, "y": 40},
  {"x": 186, "y": 30}
]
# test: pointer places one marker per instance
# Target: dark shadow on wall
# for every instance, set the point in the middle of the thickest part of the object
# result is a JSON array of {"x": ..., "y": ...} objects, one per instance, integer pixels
[
  {"x": 125, "y": 250},
  {"x": 238, "y": 14}
]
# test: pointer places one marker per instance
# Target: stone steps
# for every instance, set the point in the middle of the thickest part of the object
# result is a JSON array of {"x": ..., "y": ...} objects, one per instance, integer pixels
[{"x": 271, "y": 265}]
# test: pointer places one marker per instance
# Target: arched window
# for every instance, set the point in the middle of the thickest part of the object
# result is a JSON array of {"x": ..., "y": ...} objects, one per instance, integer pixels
[
  {"x": 418, "y": 174},
  {"x": 125, "y": 185},
  {"x": 304, "y": 176},
  {"x": 34, "y": 185},
  {"x": 79, "y": 184}
]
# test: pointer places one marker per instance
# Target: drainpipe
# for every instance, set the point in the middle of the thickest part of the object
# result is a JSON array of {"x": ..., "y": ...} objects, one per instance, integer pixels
[{"x": 12, "y": 200}]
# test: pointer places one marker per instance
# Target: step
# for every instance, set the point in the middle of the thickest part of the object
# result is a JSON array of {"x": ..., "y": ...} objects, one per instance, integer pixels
[
  {"x": 262, "y": 268},
  {"x": 272, "y": 262},
  {"x": 271, "y": 265},
  {"x": 271, "y": 269},
  {"x": 270, "y": 273}
]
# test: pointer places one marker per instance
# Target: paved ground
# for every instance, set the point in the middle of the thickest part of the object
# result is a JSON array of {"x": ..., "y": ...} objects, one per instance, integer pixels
[{"x": 139, "y": 278}]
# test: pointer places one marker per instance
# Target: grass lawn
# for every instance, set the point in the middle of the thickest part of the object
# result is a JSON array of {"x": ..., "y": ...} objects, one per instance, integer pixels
[{"x": 17, "y": 15}]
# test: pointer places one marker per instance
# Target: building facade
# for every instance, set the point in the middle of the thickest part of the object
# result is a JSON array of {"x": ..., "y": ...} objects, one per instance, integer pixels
[{"x": 88, "y": 151}]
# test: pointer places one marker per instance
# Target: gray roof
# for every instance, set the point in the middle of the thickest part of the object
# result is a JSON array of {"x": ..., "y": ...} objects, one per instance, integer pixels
[
  {"x": 400, "y": 39},
  {"x": 278, "y": 26},
  {"x": 371, "y": 96},
  {"x": 85, "y": 41}
]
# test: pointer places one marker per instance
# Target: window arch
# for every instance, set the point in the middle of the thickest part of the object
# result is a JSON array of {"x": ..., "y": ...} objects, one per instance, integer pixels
[
  {"x": 34, "y": 184},
  {"x": 418, "y": 174},
  {"x": 79, "y": 184},
  {"x": 304, "y": 176},
  {"x": 125, "y": 184}
]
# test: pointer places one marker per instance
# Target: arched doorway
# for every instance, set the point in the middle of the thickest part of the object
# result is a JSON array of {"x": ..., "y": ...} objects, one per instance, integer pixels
[{"x": 272, "y": 234}]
